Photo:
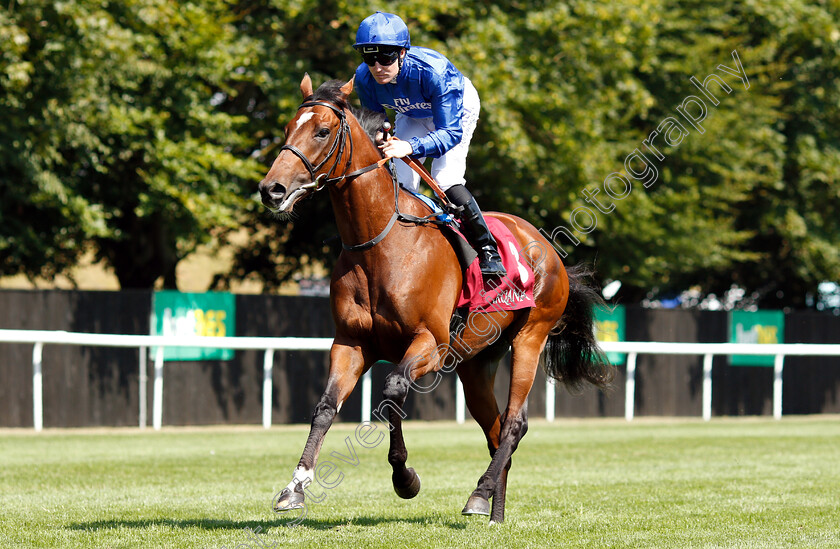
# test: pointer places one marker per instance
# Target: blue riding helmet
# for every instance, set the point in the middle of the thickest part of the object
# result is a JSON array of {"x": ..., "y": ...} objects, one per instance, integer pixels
[{"x": 382, "y": 29}]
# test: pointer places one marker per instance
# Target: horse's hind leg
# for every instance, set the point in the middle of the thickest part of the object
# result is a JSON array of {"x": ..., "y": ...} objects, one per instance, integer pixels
[
  {"x": 347, "y": 364},
  {"x": 478, "y": 376},
  {"x": 493, "y": 483}
]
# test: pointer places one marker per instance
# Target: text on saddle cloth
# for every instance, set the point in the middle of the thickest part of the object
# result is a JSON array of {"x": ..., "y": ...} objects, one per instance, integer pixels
[{"x": 509, "y": 293}]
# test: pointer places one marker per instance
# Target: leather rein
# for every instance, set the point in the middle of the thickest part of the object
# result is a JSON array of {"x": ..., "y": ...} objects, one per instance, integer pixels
[{"x": 320, "y": 181}]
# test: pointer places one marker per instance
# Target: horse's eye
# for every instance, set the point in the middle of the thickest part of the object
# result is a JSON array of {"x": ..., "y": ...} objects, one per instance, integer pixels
[{"x": 322, "y": 133}]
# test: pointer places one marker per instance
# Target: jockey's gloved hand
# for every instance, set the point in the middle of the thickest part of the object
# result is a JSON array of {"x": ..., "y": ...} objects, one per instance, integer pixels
[{"x": 395, "y": 147}]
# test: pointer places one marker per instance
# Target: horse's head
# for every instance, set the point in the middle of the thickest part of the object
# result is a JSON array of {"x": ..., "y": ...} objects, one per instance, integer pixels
[{"x": 314, "y": 154}]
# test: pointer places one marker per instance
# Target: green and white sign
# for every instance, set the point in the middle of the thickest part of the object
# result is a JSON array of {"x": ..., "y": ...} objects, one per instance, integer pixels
[
  {"x": 211, "y": 314},
  {"x": 755, "y": 327},
  {"x": 609, "y": 326}
]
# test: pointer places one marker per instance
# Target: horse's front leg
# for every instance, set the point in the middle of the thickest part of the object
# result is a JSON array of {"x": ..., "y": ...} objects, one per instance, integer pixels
[
  {"x": 347, "y": 364},
  {"x": 420, "y": 359}
]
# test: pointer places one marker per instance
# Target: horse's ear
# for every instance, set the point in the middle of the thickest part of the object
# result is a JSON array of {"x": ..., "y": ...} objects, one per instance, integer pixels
[
  {"x": 347, "y": 88},
  {"x": 306, "y": 86}
]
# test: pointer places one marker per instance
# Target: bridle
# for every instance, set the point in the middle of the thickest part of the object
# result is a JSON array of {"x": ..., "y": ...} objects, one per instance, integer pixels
[
  {"x": 320, "y": 181},
  {"x": 329, "y": 177}
]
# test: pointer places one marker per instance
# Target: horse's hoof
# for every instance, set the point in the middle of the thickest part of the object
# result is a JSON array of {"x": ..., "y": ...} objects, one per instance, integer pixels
[
  {"x": 406, "y": 490},
  {"x": 288, "y": 500},
  {"x": 476, "y": 505}
]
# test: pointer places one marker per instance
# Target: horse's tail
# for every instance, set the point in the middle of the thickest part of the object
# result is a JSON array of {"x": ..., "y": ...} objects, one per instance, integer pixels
[{"x": 572, "y": 354}]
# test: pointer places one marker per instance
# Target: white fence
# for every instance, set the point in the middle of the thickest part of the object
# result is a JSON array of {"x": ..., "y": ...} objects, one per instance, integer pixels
[
  {"x": 269, "y": 345},
  {"x": 709, "y": 350}
]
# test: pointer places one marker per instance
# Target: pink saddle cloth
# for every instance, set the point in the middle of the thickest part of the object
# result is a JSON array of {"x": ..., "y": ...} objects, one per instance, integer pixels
[{"x": 509, "y": 293}]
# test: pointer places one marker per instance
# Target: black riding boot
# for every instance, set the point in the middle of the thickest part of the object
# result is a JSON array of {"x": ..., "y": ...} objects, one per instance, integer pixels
[{"x": 476, "y": 231}]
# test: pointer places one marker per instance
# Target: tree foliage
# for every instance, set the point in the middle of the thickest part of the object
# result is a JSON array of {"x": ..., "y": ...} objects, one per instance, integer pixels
[
  {"x": 112, "y": 138},
  {"x": 136, "y": 127}
]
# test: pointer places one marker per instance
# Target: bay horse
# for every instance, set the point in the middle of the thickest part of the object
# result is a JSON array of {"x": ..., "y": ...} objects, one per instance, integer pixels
[{"x": 394, "y": 290}]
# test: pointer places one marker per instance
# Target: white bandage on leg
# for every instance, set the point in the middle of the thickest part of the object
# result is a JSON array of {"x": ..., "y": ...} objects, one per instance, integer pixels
[{"x": 301, "y": 476}]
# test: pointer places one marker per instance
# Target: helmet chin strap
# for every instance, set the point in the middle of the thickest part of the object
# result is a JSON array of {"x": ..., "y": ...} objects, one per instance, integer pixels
[{"x": 399, "y": 67}]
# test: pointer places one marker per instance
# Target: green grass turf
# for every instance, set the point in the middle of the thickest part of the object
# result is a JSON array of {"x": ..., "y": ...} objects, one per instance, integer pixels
[{"x": 592, "y": 483}]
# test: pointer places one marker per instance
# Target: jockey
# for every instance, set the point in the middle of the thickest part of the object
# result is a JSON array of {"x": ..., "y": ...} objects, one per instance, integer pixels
[{"x": 437, "y": 111}]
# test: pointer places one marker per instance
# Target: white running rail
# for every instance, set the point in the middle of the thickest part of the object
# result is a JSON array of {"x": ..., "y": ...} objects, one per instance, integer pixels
[
  {"x": 39, "y": 338},
  {"x": 708, "y": 351}
]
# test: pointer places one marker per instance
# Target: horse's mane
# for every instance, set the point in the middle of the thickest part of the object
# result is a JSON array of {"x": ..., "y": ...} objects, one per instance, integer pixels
[{"x": 371, "y": 121}]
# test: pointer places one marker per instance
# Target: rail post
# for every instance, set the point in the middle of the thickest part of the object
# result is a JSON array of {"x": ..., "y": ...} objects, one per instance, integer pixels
[
  {"x": 460, "y": 402},
  {"x": 707, "y": 386},
  {"x": 549, "y": 398},
  {"x": 630, "y": 387},
  {"x": 37, "y": 387},
  {"x": 268, "y": 368},
  {"x": 367, "y": 391},
  {"x": 157, "y": 397},
  {"x": 778, "y": 369},
  {"x": 142, "y": 382}
]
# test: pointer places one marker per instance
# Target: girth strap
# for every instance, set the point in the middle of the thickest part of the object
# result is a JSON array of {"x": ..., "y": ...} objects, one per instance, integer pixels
[{"x": 373, "y": 241}]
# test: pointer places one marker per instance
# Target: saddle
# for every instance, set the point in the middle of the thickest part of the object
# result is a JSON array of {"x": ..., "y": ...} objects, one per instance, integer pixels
[{"x": 511, "y": 292}]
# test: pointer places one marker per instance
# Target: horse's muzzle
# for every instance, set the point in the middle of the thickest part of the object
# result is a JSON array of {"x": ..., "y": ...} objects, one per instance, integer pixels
[{"x": 272, "y": 193}]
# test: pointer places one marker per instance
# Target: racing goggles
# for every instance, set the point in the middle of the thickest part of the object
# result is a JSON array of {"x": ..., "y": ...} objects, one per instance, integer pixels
[{"x": 372, "y": 56}]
